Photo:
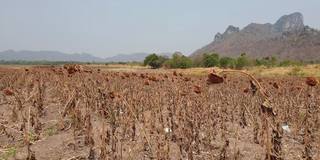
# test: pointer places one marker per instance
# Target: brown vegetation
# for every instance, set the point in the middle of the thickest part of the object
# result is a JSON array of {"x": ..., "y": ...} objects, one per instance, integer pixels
[{"x": 48, "y": 114}]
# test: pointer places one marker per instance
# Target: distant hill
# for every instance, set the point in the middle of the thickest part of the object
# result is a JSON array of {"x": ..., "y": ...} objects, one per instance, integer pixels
[
  {"x": 288, "y": 38},
  {"x": 11, "y": 55},
  {"x": 137, "y": 57},
  {"x": 25, "y": 55}
]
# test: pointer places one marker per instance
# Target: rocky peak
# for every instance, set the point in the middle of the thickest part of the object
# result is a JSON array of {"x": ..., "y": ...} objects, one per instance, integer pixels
[
  {"x": 289, "y": 23},
  {"x": 218, "y": 36},
  {"x": 231, "y": 29},
  {"x": 288, "y": 38}
]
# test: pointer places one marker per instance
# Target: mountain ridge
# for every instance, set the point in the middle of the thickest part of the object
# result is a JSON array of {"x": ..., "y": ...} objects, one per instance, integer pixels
[
  {"x": 287, "y": 38},
  {"x": 43, "y": 55}
]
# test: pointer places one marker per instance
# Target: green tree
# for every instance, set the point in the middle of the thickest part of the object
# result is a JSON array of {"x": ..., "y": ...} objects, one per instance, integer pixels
[
  {"x": 150, "y": 58},
  {"x": 154, "y": 60},
  {"x": 178, "y": 61},
  {"x": 227, "y": 62},
  {"x": 242, "y": 61},
  {"x": 210, "y": 60}
]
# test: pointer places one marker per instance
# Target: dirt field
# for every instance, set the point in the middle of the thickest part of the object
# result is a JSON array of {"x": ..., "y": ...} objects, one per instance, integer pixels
[{"x": 81, "y": 112}]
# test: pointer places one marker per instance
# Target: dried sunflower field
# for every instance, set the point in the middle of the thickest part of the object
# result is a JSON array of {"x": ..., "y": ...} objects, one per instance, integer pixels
[{"x": 77, "y": 112}]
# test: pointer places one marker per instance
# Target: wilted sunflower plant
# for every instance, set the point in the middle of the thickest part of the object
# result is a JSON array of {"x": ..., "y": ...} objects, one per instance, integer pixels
[{"x": 270, "y": 125}]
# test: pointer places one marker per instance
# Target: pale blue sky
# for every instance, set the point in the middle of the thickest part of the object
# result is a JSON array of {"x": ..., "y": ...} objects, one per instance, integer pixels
[{"x": 108, "y": 27}]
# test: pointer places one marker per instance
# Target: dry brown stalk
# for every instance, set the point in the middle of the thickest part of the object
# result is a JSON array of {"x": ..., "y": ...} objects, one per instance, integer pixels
[{"x": 273, "y": 141}]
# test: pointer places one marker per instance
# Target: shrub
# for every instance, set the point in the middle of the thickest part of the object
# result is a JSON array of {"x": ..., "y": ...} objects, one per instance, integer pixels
[
  {"x": 296, "y": 71},
  {"x": 286, "y": 63}
]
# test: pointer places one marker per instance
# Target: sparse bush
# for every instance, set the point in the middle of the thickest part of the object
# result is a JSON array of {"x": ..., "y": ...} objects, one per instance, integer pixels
[
  {"x": 286, "y": 63},
  {"x": 296, "y": 71},
  {"x": 267, "y": 61}
]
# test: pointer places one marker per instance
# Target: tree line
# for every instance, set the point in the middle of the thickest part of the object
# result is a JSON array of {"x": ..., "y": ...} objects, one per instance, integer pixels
[{"x": 178, "y": 60}]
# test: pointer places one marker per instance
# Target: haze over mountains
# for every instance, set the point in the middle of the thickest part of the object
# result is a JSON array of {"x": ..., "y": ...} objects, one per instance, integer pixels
[
  {"x": 25, "y": 55},
  {"x": 11, "y": 55},
  {"x": 287, "y": 38}
]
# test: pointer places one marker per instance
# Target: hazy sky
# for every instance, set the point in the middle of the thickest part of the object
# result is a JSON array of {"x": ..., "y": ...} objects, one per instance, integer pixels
[{"x": 109, "y": 27}]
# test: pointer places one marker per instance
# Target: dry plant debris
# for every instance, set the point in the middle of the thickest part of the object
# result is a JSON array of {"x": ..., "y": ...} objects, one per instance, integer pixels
[{"x": 77, "y": 112}]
